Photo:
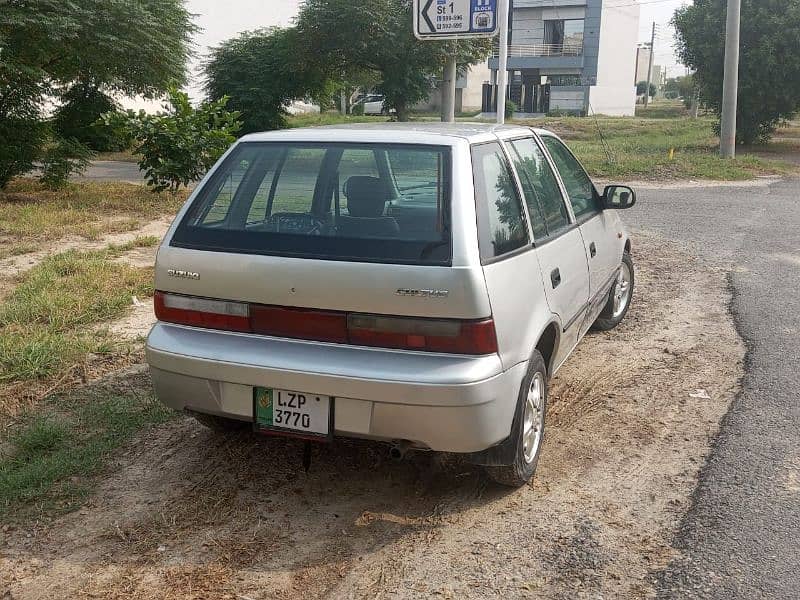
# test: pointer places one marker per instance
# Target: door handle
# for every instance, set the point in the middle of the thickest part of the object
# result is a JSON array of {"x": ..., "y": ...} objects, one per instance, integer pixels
[
  {"x": 555, "y": 278},
  {"x": 592, "y": 250}
]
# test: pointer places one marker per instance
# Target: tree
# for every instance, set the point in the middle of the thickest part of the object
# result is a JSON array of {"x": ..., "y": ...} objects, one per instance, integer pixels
[
  {"x": 261, "y": 72},
  {"x": 376, "y": 36},
  {"x": 769, "y": 67},
  {"x": 181, "y": 144},
  {"x": 117, "y": 45},
  {"x": 642, "y": 86},
  {"x": 131, "y": 47},
  {"x": 79, "y": 115},
  {"x": 22, "y": 130}
]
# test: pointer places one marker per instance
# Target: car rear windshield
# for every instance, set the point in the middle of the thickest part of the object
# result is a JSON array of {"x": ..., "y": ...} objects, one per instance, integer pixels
[{"x": 361, "y": 202}]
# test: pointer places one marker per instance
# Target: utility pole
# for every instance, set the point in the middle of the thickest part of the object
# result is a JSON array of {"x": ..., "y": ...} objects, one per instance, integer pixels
[
  {"x": 730, "y": 87},
  {"x": 449, "y": 91},
  {"x": 650, "y": 66},
  {"x": 503, "y": 8}
]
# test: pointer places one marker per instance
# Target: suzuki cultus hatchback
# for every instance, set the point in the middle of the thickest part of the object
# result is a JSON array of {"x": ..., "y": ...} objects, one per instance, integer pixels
[{"x": 412, "y": 284}]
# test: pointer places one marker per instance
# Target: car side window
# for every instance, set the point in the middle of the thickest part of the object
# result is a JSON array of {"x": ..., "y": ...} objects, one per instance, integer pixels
[
  {"x": 546, "y": 206},
  {"x": 580, "y": 188},
  {"x": 501, "y": 219}
]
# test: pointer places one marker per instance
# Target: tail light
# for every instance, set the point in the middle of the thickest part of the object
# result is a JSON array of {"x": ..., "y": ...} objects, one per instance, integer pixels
[
  {"x": 201, "y": 312},
  {"x": 407, "y": 333}
]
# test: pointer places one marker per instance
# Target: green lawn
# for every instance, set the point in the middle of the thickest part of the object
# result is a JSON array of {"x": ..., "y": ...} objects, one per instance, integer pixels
[{"x": 661, "y": 143}]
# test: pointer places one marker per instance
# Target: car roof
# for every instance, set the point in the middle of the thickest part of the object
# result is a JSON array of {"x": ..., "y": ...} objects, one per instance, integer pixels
[{"x": 433, "y": 133}]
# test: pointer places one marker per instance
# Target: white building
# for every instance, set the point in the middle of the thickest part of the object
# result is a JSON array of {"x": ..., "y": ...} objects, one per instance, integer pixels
[{"x": 576, "y": 56}]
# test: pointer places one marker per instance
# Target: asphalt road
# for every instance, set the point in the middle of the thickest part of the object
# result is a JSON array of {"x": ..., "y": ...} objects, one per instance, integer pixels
[
  {"x": 740, "y": 537},
  {"x": 112, "y": 170}
]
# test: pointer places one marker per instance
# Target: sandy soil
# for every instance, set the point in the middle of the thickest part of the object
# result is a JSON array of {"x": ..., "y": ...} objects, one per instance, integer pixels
[
  {"x": 15, "y": 265},
  {"x": 185, "y": 513}
]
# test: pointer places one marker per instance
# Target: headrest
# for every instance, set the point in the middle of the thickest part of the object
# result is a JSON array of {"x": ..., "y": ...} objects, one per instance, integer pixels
[{"x": 366, "y": 196}]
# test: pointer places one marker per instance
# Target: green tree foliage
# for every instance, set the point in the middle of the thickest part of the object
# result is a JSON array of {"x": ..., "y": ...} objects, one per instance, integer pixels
[
  {"x": 119, "y": 45},
  {"x": 769, "y": 69},
  {"x": 376, "y": 36},
  {"x": 261, "y": 72},
  {"x": 78, "y": 118},
  {"x": 181, "y": 144},
  {"x": 642, "y": 86},
  {"x": 132, "y": 47},
  {"x": 22, "y": 130},
  {"x": 62, "y": 159}
]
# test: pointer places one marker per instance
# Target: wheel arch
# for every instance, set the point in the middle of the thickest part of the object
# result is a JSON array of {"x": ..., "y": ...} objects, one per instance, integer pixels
[{"x": 547, "y": 344}]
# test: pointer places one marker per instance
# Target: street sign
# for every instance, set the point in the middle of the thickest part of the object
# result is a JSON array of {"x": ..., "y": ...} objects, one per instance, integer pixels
[{"x": 454, "y": 19}]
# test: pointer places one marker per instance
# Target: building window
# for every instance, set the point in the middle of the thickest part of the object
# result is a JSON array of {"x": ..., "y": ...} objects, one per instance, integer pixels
[
  {"x": 562, "y": 80},
  {"x": 564, "y": 35}
]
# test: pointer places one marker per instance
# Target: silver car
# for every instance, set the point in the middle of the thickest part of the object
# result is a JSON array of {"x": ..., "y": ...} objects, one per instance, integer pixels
[{"x": 416, "y": 284}]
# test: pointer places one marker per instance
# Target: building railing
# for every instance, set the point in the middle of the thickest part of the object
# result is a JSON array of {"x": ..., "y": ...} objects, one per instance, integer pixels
[{"x": 526, "y": 50}]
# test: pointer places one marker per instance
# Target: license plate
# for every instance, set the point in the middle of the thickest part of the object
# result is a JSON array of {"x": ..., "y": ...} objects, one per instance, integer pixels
[{"x": 291, "y": 411}]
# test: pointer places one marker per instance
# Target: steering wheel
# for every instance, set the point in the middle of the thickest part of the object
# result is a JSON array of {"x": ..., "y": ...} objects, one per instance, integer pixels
[{"x": 297, "y": 223}]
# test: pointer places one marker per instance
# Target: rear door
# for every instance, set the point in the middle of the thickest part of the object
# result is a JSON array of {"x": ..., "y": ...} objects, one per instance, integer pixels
[
  {"x": 598, "y": 228},
  {"x": 558, "y": 241},
  {"x": 512, "y": 274}
]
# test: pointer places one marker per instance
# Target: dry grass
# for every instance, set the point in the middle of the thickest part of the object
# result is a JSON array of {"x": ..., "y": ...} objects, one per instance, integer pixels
[
  {"x": 43, "y": 322},
  {"x": 29, "y": 212}
]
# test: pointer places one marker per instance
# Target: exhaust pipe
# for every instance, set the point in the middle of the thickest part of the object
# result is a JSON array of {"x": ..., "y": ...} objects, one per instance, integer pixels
[{"x": 398, "y": 450}]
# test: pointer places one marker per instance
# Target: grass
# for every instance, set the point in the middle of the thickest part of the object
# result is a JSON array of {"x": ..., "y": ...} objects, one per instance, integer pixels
[
  {"x": 661, "y": 142},
  {"x": 50, "y": 452},
  {"x": 44, "y": 321},
  {"x": 28, "y": 211},
  {"x": 655, "y": 149}
]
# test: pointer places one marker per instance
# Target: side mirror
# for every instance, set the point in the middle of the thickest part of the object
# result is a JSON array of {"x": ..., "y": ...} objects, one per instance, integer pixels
[{"x": 618, "y": 197}]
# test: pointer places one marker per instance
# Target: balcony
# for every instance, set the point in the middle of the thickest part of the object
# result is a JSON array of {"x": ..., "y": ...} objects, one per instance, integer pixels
[
  {"x": 541, "y": 56},
  {"x": 539, "y": 50}
]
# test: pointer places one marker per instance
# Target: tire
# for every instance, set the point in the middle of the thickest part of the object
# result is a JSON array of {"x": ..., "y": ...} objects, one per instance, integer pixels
[
  {"x": 221, "y": 424},
  {"x": 612, "y": 315},
  {"x": 533, "y": 392}
]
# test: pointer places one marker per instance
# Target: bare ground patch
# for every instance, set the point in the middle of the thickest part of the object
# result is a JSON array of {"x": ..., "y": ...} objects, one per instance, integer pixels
[{"x": 185, "y": 513}]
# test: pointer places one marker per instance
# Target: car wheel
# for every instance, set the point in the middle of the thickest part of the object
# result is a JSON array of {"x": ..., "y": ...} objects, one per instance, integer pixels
[
  {"x": 528, "y": 427},
  {"x": 619, "y": 298},
  {"x": 221, "y": 424}
]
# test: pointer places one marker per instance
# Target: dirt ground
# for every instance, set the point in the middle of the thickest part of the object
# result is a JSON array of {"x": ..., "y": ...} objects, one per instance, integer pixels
[{"x": 186, "y": 513}]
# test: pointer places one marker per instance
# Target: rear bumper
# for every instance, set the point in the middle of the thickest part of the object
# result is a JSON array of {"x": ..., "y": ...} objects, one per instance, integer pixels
[{"x": 444, "y": 402}]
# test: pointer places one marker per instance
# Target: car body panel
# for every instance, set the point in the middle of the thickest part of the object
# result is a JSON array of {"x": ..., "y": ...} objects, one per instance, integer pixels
[{"x": 446, "y": 402}]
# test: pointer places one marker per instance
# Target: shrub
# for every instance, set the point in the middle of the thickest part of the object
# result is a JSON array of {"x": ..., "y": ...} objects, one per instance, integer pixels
[
  {"x": 181, "y": 144},
  {"x": 63, "y": 159},
  {"x": 511, "y": 108}
]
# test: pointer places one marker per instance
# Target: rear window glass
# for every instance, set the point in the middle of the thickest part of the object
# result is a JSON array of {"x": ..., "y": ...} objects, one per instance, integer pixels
[{"x": 364, "y": 202}]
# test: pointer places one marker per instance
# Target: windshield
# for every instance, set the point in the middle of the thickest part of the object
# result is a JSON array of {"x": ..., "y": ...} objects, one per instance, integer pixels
[{"x": 365, "y": 202}]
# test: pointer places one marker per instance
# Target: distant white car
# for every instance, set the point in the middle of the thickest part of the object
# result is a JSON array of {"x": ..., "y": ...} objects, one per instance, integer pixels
[
  {"x": 298, "y": 107},
  {"x": 374, "y": 104}
]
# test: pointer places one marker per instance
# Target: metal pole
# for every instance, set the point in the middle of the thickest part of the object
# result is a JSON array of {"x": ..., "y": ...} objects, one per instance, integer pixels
[
  {"x": 449, "y": 91},
  {"x": 730, "y": 87},
  {"x": 502, "y": 72},
  {"x": 650, "y": 67}
]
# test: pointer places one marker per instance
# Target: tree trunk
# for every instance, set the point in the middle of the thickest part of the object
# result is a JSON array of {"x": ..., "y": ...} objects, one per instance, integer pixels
[{"x": 402, "y": 111}]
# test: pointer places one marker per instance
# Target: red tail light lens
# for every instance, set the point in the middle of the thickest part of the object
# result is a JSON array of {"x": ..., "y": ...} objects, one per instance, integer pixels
[
  {"x": 320, "y": 325},
  {"x": 432, "y": 335},
  {"x": 408, "y": 333}
]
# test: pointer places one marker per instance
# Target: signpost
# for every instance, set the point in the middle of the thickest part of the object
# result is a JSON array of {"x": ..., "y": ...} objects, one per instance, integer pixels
[
  {"x": 454, "y": 19},
  {"x": 457, "y": 20}
]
